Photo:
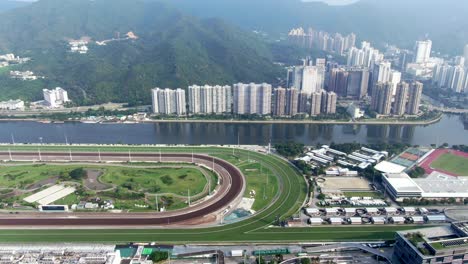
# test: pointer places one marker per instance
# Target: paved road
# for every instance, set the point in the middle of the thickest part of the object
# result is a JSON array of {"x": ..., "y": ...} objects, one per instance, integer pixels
[{"x": 232, "y": 187}]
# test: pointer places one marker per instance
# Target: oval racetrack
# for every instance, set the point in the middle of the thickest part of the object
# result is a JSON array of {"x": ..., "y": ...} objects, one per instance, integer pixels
[{"x": 231, "y": 189}]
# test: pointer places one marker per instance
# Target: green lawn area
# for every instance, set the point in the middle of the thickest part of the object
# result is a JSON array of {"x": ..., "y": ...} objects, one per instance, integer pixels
[
  {"x": 259, "y": 178},
  {"x": 167, "y": 180},
  {"x": 163, "y": 180},
  {"x": 452, "y": 163},
  {"x": 25, "y": 175}
]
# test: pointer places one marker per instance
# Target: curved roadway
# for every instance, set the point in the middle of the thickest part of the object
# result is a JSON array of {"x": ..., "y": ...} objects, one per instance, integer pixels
[{"x": 232, "y": 186}]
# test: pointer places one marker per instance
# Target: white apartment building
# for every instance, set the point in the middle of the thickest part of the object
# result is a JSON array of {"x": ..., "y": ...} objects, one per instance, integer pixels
[
  {"x": 168, "y": 101},
  {"x": 55, "y": 97},
  {"x": 252, "y": 98},
  {"x": 210, "y": 99},
  {"x": 12, "y": 105},
  {"x": 422, "y": 51}
]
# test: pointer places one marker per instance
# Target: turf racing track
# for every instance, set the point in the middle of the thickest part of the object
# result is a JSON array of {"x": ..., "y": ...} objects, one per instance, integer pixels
[
  {"x": 258, "y": 228},
  {"x": 231, "y": 189}
]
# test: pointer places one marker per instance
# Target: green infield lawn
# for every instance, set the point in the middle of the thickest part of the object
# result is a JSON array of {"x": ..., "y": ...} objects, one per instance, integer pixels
[
  {"x": 451, "y": 163},
  {"x": 130, "y": 187},
  {"x": 288, "y": 197},
  {"x": 167, "y": 180}
]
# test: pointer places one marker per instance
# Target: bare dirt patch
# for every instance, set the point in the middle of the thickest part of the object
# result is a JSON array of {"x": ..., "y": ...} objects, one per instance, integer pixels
[
  {"x": 39, "y": 184},
  {"x": 339, "y": 184},
  {"x": 92, "y": 180}
]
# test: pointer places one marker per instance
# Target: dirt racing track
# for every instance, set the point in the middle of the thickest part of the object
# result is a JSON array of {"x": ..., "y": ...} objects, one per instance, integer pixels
[{"x": 229, "y": 192}]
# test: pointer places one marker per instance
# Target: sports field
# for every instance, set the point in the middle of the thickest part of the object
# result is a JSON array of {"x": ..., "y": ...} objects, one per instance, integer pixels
[
  {"x": 447, "y": 161},
  {"x": 287, "y": 201},
  {"x": 452, "y": 163}
]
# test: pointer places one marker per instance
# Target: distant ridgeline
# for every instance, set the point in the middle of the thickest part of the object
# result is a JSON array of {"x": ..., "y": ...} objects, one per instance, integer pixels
[{"x": 165, "y": 48}]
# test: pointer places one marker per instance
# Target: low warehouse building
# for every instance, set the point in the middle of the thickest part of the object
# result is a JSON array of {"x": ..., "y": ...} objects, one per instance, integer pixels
[
  {"x": 436, "y": 218},
  {"x": 417, "y": 219},
  {"x": 315, "y": 221},
  {"x": 378, "y": 220},
  {"x": 336, "y": 220},
  {"x": 355, "y": 220},
  {"x": 397, "y": 220}
]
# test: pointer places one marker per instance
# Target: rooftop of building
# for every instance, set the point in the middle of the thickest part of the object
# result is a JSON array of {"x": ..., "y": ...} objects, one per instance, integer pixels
[
  {"x": 438, "y": 240},
  {"x": 438, "y": 182},
  {"x": 401, "y": 182},
  {"x": 389, "y": 167}
]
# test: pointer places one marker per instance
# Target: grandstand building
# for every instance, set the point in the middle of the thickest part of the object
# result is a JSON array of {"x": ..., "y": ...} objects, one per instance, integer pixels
[
  {"x": 445, "y": 244},
  {"x": 435, "y": 186}
]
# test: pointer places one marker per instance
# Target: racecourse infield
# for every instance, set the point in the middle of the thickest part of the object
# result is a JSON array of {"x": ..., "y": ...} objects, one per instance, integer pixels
[{"x": 258, "y": 228}]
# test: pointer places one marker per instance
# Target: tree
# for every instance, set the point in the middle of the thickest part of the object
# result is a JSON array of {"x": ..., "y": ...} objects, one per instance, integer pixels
[
  {"x": 289, "y": 149},
  {"x": 416, "y": 172},
  {"x": 157, "y": 256},
  {"x": 260, "y": 260},
  {"x": 306, "y": 261},
  {"x": 78, "y": 174}
]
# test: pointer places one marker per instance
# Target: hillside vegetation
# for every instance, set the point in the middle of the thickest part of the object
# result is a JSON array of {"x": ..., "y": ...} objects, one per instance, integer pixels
[{"x": 173, "y": 50}]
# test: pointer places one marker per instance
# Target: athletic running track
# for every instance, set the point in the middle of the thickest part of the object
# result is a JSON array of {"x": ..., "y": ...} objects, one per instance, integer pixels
[
  {"x": 231, "y": 189},
  {"x": 426, "y": 163}
]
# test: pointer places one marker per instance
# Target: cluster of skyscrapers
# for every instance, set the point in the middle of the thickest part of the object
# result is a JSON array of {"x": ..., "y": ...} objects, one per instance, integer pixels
[
  {"x": 366, "y": 56},
  {"x": 322, "y": 40},
  {"x": 243, "y": 99},
  {"x": 168, "y": 101},
  {"x": 209, "y": 99},
  {"x": 291, "y": 101},
  {"x": 308, "y": 78},
  {"x": 453, "y": 75},
  {"x": 405, "y": 100}
]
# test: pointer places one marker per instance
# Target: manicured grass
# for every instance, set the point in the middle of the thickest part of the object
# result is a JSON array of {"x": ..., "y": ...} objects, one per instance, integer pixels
[
  {"x": 174, "y": 179},
  {"x": 69, "y": 200},
  {"x": 179, "y": 180},
  {"x": 452, "y": 163},
  {"x": 170, "y": 180},
  {"x": 22, "y": 176},
  {"x": 259, "y": 178},
  {"x": 290, "y": 197}
]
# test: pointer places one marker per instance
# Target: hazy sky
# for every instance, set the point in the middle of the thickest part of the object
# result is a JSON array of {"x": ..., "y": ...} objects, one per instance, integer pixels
[{"x": 334, "y": 2}]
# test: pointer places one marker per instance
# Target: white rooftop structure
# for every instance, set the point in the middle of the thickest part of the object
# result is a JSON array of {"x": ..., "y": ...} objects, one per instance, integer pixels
[
  {"x": 436, "y": 218},
  {"x": 398, "y": 219},
  {"x": 439, "y": 185},
  {"x": 400, "y": 185},
  {"x": 372, "y": 210},
  {"x": 436, "y": 185},
  {"x": 312, "y": 211},
  {"x": 355, "y": 220},
  {"x": 315, "y": 221},
  {"x": 418, "y": 219},
  {"x": 336, "y": 220},
  {"x": 50, "y": 195},
  {"x": 378, "y": 220},
  {"x": 409, "y": 209},
  {"x": 390, "y": 210},
  {"x": 389, "y": 167}
]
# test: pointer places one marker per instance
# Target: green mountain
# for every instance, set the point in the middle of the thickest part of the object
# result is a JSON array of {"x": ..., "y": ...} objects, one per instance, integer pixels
[{"x": 172, "y": 50}]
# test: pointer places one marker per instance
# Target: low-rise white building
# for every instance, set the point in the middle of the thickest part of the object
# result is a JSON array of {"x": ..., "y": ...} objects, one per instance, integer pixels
[
  {"x": 355, "y": 111},
  {"x": 435, "y": 186},
  {"x": 12, "y": 105}
]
